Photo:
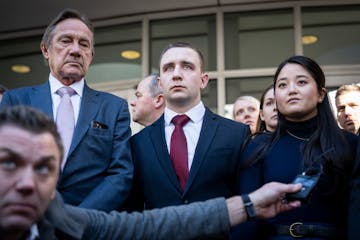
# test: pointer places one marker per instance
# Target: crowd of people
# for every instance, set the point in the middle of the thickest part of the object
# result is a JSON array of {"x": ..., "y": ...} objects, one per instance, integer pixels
[{"x": 70, "y": 166}]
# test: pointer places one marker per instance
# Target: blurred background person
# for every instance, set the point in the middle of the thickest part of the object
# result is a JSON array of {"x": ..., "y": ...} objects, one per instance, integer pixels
[
  {"x": 268, "y": 111},
  {"x": 149, "y": 102},
  {"x": 3, "y": 89},
  {"x": 246, "y": 110},
  {"x": 347, "y": 100}
]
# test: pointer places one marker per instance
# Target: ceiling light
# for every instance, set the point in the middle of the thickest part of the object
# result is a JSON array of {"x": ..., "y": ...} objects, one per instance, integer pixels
[
  {"x": 130, "y": 54},
  {"x": 18, "y": 68},
  {"x": 309, "y": 39}
]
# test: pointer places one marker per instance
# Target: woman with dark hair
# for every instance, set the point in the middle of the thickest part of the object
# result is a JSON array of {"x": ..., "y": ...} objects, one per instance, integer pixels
[
  {"x": 268, "y": 111},
  {"x": 307, "y": 141}
]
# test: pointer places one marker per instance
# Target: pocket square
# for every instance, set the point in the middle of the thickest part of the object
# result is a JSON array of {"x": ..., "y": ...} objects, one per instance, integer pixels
[{"x": 96, "y": 124}]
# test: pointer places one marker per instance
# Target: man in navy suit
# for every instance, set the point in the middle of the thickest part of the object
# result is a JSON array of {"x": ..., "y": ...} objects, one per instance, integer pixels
[
  {"x": 98, "y": 168},
  {"x": 213, "y": 142}
]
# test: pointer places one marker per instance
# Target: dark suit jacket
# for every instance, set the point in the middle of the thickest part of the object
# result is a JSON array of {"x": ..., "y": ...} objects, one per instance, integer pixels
[
  {"x": 354, "y": 204},
  {"x": 99, "y": 169},
  {"x": 213, "y": 172}
]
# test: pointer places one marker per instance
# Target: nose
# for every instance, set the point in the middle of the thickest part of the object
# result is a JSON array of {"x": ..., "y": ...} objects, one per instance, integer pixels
[
  {"x": 75, "y": 49},
  {"x": 133, "y": 103},
  {"x": 177, "y": 73},
  {"x": 247, "y": 114},
  {"x": 292, "y": 87},
  {"x": 347, "y": 110},
  {"x": 26, "y": 183},
  {"x": 275, "y": 108}
]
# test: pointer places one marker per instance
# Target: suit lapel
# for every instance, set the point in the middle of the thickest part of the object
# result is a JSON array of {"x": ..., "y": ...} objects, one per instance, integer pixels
[
  {"x": 157, "y": 133},
  {"x": 88, "y": 109},
  {"x": 207, "y": 134},
  {"x": 40, "y": 98}
]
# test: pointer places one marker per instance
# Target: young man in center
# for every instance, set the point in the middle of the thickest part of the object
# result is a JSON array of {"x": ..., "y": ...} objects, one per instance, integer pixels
[{"x": 206, "y": 164}]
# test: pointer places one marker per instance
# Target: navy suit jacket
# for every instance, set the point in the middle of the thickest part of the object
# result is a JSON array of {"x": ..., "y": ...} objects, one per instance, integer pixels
[
  {"x": 213, "y": 172},
  {"x": 99, "y": 170}
]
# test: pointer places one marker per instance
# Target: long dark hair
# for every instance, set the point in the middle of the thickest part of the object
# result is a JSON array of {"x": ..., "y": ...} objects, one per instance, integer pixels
[
  {"x": 262, "y": 124},
  {"x": 327, "y": 135}
]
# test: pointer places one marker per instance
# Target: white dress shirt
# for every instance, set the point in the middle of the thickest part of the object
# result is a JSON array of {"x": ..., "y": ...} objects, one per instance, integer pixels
[
  {"x": 75, "y": 99},
  {"x": 191, "y": 129},
  {"x": 34, "y": 232}
]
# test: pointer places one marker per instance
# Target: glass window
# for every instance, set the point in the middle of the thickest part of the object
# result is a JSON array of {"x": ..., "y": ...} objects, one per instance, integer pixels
[
  {"x": 200, "y": 31},
  {"x": 109, "y": 64},
  {"x": 253, "y": 86},
  {"x": 38, "y": 71},
  {"x": 258, "y": 39},
  {"x": 332, "y": 34},
  {"x": 209, "y": 95},
  {"x": 22, "y": 51}
]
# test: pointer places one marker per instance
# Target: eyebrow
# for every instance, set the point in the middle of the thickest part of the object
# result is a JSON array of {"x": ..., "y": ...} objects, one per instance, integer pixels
[{"x": 17, "y": 155}]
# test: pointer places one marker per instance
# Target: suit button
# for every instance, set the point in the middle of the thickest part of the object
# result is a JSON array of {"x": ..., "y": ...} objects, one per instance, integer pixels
[{"x": 186, "y": 201}]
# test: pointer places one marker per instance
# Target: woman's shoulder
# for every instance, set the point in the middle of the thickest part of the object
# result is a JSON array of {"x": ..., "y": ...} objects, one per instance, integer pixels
[
  {"x": 261, "y": 137},
  {"x": 256, "y": 143}
]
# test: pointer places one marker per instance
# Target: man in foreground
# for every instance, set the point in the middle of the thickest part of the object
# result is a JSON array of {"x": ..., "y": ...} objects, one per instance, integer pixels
[{"x": 30, "y": 158}]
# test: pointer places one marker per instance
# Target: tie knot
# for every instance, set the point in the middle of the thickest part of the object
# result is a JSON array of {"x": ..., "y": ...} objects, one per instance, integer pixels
[
  {"x": 65, "y": 90},
  {"x": 180, "y": 120}
]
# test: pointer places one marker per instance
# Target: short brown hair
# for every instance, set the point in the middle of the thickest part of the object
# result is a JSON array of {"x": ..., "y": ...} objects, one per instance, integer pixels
[
  {"x": 184, "y": 45},
  {"x": 347, "y": 88}
]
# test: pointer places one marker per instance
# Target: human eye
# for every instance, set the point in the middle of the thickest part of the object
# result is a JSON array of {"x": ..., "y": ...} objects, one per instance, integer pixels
[
  {"x": 44, "y": 169},
  {"x": 8, "y": 163},
  {"x": 281, "y": 85},
  {"x": 251, "y": 109},
  {"x": 85, "y": 44},
  {"x": 341, "y": 108},
  {"x": 238, "y": 113},
  {"x": 268, "y": 103},
  {"x": 188, "y": 66},
  {"x": 302, "y": 81},
  {"x": 138, "y": 95},
  {"x": 168, "y": 68},
  {"x": 354, "y": 105},
  {"x": 65, "y": 40}
]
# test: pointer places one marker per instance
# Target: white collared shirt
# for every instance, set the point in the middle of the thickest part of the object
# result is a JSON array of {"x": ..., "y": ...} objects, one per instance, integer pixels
[
  {"x": 191, "y": 129},
  {"x": 75, "y": 99},
  {"x": 34, "y": 232}
]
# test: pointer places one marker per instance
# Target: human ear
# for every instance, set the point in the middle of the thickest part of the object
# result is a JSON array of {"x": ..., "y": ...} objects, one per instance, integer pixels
[
  {"x": 322, "y": 95},
  {"x": 44, "y": 51},
  {"x": 159, "y": 101},
  {"x": 261, "y": 115},
  {"x": 204, "y": 80}
]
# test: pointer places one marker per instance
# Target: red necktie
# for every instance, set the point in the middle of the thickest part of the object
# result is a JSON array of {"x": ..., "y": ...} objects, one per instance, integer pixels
[{"x": 178, "y": 149}]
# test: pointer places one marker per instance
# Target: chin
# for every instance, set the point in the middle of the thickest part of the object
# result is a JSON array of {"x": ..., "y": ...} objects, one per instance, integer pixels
[{"x": 18, "y": 223}]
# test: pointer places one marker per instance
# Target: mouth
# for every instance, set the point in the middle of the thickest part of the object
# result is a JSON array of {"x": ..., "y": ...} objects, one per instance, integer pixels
[
  {"x": 249, "y": 123},
  {"x": 73, "y": 63},
  {"x": 22, "y": 208},
  {"x": 177, "y": 87},
  {"x": 349, "y": 122},
  {"x": 275, "y": 117},
  {"x": 293, "y": 100}
]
